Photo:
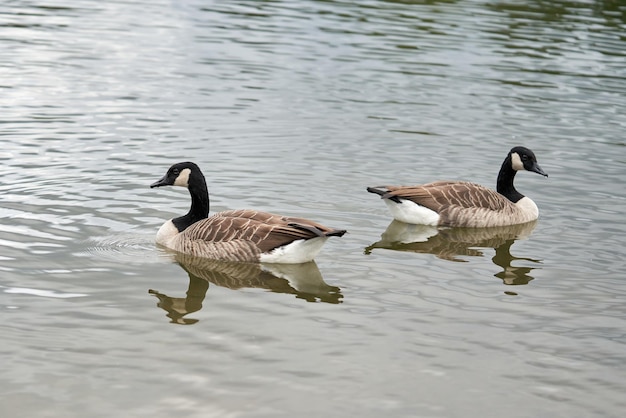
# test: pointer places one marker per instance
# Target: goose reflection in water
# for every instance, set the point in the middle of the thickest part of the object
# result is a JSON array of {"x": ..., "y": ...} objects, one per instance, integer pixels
[
  {"x": 452, "y": 243},
  {"x": 302, "y": 280}
]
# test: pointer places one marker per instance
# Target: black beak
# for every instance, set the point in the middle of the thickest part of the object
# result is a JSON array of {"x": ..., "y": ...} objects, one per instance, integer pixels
[
  {"x": 162, "y": 182},
  {"x": 538, "y": 169}
]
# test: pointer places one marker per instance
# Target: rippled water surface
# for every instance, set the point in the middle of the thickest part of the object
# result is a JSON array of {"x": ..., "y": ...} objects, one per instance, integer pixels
[{"x": 295, "y": 107}]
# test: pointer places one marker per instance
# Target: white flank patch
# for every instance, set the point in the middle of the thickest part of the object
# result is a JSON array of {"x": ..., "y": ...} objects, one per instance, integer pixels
[
  {"x": 167, "y": 231},
  {"x": 412, "y": 213},
  {"x": 296, "y": 252},
  {"x": 183, "y": 178},
  {"x": 516, "y": 162}
]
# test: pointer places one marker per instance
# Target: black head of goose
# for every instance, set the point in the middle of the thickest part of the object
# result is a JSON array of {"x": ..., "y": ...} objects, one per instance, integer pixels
[
  {"x": 236, "y": 235},
  {"x": 465, "y": 204}
]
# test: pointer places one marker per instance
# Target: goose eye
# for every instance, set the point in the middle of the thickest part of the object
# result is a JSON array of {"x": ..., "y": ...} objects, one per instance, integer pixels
[
  {"x": 175, "y": 171},
  {"x": 525, "y": 157}
]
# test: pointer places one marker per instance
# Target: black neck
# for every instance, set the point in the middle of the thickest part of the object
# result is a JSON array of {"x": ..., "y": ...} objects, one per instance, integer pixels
[
  {"x": 199, "y": 204},
  {"x": 505, "y": 181}
]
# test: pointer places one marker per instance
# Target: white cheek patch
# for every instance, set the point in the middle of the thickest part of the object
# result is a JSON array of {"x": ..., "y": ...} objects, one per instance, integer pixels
[
  {"x": 516, "y": 162},
  {"x": 183, "y": 178}
]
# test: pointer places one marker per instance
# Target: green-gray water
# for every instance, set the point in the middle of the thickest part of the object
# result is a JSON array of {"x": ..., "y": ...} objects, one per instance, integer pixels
[{"x": 295, "y": 107}]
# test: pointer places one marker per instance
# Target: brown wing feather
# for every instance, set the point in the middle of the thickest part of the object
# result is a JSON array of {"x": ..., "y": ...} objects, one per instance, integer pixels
[
  {"x": 267, "y": 231},
  {"x": 278, "y": 220},
  {"x": 440, "y": 195}
]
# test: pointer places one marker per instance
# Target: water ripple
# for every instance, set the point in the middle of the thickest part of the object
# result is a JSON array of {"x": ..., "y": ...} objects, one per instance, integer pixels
[
  {"x": 294, "y": 107},
  {"x": 42, "y": 293}
]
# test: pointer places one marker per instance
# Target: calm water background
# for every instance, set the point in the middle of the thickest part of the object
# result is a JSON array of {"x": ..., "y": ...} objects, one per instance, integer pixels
[{"x": 295, "y": 107}]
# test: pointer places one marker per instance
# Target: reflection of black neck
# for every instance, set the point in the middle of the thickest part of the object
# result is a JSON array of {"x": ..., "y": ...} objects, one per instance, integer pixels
[
  {"x": 505, "y": 181},
  {"x": 510, "y": 274},
  {"x": 177, "y": 308},
  {"x": 199, "y": 203}
]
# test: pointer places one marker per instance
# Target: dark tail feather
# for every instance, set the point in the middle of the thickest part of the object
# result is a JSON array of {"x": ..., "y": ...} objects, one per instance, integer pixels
[
  {"x": 376, "y": 191},
  {"x": 384, "y": 194},
  {"x": 336, "y": 233},
  {"x": 317, "y": 231}
]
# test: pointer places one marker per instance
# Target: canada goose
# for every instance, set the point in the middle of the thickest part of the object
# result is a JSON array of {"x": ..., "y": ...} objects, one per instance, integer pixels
[
  {"x": 459, "y": 203},
  {"x": 236, "y": 235}
]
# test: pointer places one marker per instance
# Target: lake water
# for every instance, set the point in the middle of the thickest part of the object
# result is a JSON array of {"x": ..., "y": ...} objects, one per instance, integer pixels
[{"x": 295, "y": 107}]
